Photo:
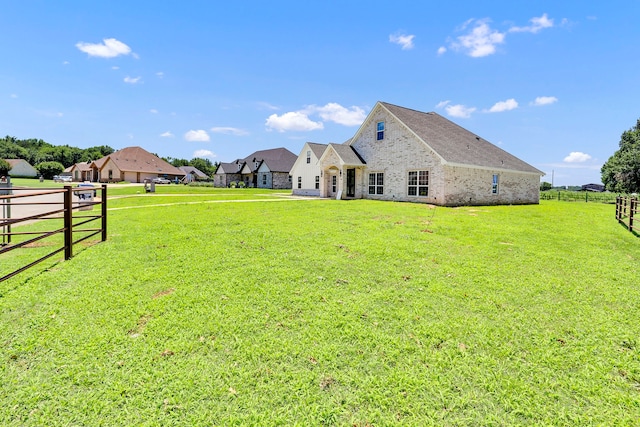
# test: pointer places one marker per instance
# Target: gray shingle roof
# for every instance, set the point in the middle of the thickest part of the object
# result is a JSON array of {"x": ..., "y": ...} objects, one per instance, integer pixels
[
  {"x": 348, "y": 154},
  {"x": 317, "y": 149},
  {"x": 456, "y": 145},
  {"x": 278, "y": 159}
]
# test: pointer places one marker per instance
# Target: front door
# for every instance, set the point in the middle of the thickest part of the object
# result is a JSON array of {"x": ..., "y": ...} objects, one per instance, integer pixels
[
  {"x": 351, "y": 182},
  {"x": 332, "y": 185}
]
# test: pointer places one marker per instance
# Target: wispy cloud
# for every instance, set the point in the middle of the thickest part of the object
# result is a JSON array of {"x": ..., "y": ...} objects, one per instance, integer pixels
[
  {"x": 133, "y": 80},
  {"x": 230, "y": 131},
  {"x": 544, "y": 100},
  {"x": 457, "y": 110},
  {"x": 481, "y": 40},
  {"x": 537, "y": 24},
  {"x": 204, "y": 154},
  {"x": 577, "y": 157},
  {"x": 197, "y": 136},
  {"x": 153, "y": 111},
  {"x": 509, "y": 104},
  {"x": 167, "y": 134},
  {"x": 404, "y": 40},
  {"x": 109, "y": 48}
]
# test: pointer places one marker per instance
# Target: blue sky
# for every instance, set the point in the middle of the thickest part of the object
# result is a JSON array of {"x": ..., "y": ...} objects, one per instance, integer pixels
[{"x": 554, "y": 83}]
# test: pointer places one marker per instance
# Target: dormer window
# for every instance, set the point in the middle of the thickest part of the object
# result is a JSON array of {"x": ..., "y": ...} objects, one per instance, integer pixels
[
  {"x": 309, "y": 156},
  {"x": 380, "y": 131}
]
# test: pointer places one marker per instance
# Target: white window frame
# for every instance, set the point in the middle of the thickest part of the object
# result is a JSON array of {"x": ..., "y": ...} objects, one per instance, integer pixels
[
  {"x": 418, "y": 183},
  {"x": 308, "y": 156},
  {"x": 495, "y": 184},
  {"x": 299, "y": 182},
  {"x": 376, "y": 188},
  {"x": 380, "y": 128},
  {"x": 317, "y": 182}
]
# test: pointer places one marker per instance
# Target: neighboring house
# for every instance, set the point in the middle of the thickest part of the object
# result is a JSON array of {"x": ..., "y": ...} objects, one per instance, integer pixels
[
  {"x": 407, "y": 155},
  {"x": 193, "y": 174},
  {"x": 20, "y": 167},
  {"x": 262, "y": 169},
  {"x": 226, "y": 173},
  {"x": 305, "y": 172},
  {"x": 80, "y": 172},
  {"x": 598, "y": 188},
  {"x": 133, "y": 164}
]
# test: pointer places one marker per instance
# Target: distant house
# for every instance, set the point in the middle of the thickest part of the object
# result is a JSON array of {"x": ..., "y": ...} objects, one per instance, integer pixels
[
  {"x": 133, "y": 164},
  {"x": 599, "y": 188},
  {"x": 20, "y": 167},
  {"x": 192, "y": 174},
  {"x": 407, "y": 155},
  {"x": 261, "y": 169}
]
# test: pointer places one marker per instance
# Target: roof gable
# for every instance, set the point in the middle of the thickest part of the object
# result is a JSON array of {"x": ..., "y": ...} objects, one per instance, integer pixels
[
  {"x": 454, "y": 144},
  {"x": 137, "y": 159},
  {"x": 346, "y": 153}
]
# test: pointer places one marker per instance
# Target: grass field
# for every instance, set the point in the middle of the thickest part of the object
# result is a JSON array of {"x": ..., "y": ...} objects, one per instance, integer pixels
[{"x": 357, "y": 313}]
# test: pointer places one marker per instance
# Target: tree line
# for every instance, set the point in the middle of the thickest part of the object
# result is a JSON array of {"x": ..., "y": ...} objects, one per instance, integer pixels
[{"x": 51, "y": 159}]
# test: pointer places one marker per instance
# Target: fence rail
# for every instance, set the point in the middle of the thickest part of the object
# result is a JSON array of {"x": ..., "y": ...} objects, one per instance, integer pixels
[
  {"x": 626, "y": 212},
  {"x": 28, "y": 216}
]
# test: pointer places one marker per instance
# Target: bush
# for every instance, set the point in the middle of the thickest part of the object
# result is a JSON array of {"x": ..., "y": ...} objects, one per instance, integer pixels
[{"x": 49, "y": 169}]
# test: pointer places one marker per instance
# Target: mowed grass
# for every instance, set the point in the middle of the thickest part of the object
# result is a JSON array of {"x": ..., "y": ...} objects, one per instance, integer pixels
[{"x": 325, "y": 312}]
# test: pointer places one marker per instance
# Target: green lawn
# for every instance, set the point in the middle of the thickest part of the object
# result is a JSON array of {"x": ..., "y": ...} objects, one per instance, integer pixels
[{"x": 290, "y": 312}]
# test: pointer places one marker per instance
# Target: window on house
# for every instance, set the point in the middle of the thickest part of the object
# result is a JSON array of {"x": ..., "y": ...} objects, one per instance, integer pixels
[
  {"x": 110, "y": 174},
  {"x": 380, "y": 131},
  {"x": 299, "y": 182},
  {"x": 334, "y": 183},
  {"x": 289, "y": 179},
  {"x": 308, "y": 156},
  {"x": 494, "y": 185},
  {"x": 376, "y": 183},
  {"x": 317, "y": 182},
  {"x": 418, "y": 183},
  {"x": 264, "y": 179}
]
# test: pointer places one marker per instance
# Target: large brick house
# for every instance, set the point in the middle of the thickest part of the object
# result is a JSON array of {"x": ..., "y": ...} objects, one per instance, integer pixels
[{"x": 407, "y": 155}]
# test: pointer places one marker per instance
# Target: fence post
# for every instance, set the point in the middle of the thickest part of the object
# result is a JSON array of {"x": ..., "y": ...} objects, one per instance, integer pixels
[
  {"x": 5, "y": 185},
  {"x": 632, "y": 209},
  {"x": 68, "y": 222},
  {"x": 104, "y": 212}
]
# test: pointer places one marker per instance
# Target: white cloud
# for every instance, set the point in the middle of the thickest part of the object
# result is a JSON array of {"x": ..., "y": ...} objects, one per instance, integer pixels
[
  {"x": 480, "y": 41},
  {"x": 404, "y": 40},
  {"x": 537, "y": 24},
  {"x": 333, "y": 112},
  {"x": 197, "y": 135},
  {"x": 293, "y": 120},
  {"x": 132, "y": 80},
  {"x": 509, "y": 104},
  {"x": 442, "y": 104},
  {"x": 167, "y": 134},
  {"x": 110, "y": 48},
  {"x": 230, "y": 131},
  {"x": 442, "y": 50},
  {"x": 65, "y": 63},
  {"x": 459, "y": 111},
  {"x": 544, "y": 100},
  {"x": 115, "y": 67},
  {"x": 577, "y": 157},
  {"x": 204, "y": 153},
  {"x": 153, "y": 111},
  {"x": 160, "y": 74},
  {"x": 13, "y": 95}
]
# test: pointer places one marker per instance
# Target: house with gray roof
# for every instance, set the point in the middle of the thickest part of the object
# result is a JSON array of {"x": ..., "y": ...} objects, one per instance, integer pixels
[
  {"x": 261, "y": 169},
  {"x": 407, "y": 155}
]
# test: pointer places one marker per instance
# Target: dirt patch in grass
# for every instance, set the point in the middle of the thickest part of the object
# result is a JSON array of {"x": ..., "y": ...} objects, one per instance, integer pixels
[{"x": 163, "y": 293}]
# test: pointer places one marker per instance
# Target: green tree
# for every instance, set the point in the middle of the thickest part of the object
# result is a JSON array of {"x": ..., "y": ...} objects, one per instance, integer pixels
[
  {"x": 5, "y": 167},
  {"x": 621, "y": 173},
  {"x": 49, "y": 169},
  {"x": 545, "y": 186},
  {"x": 203, "y": 165}
]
